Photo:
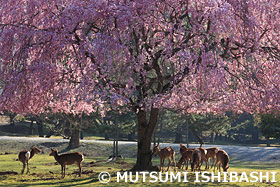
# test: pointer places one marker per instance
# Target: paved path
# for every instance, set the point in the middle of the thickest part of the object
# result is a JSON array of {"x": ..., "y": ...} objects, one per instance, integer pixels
[{"x": 240, "y": 153}]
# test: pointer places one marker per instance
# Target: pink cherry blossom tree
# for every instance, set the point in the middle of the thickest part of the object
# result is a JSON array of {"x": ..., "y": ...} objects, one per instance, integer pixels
[{"x": 140, "y": 55}]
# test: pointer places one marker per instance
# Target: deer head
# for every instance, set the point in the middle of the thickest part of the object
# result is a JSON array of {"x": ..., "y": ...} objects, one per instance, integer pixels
[
  {"x": 156, "y": 149},
  {"x": 35, "y": 150},
  {"x": 54, "y": 152}
]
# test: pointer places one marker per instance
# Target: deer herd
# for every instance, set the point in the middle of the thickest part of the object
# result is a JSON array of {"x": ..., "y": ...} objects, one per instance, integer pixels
[{"x": 196, "y": 156}]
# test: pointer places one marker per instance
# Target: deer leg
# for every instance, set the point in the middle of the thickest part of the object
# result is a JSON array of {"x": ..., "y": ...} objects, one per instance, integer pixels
[
  {"x": 161, "y": 164},
  {"x": 199, "y": 164},
  {"x": 187, "y": 164},
  {"x": 215, "y": 165},
  {"x": 23, "y": 167},
  {"x": 27, "y": 167},
  {"x": 80, "y": 168},
  {"x": 62, "y": 168},
  {"x": 174, "y": 163},
  {"x": 219, "y": 167},
  {"x": 213, "y": 162},
  {"x": 168, "y": 163}
]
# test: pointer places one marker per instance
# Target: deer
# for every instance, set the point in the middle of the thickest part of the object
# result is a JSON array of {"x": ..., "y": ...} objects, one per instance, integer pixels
[
  {"x": 68, "y": 159},
  {"x": 203, "y": 151},
  {"x": 196, "y": 160},
  {"x": 167, "y": 152},
  {"x": 211, "y": 153},
  {"x": 183, "y": 148},
  {"x": 25, "y": 156},
  {"x": 186, "y": 157},
  {"x": 222, "y": 158}
]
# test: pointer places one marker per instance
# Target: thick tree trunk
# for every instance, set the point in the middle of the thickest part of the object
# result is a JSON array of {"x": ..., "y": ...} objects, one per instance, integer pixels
[
  {"x": 145, "y": 132},
  {"x": 75, "y": 138}
]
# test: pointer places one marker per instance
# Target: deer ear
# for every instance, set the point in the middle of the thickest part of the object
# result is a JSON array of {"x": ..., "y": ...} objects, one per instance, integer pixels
[
  {"x": 181, "y": 144},
  {"x": 52, "y": 149}
]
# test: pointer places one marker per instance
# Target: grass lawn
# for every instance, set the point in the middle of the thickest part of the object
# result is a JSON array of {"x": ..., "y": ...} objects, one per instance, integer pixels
[{"x": 44, "y": 172}]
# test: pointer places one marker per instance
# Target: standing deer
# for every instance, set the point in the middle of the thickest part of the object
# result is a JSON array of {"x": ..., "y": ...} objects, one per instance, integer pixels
[
  {"x": 211, "y": 153},
  {"x": 68, "y": 159},
  {"x": 196, "y": 160},
  {"x": 222, "y": 158},
  {"x": 164, "y": 153},
  {"x": 25, "y": 156}
]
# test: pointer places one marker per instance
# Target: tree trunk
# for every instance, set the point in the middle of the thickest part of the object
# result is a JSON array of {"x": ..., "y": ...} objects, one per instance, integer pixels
[
  {"x": 160, "y": 128},
  {"x": 267, "y": 142},
  {"x": 12, "y": 117},
  {"x": 212, "y": 139},
  {"x": 255, "y": 135},
  {"x": 178, "y": 137},
  {"x": 75, "y": 138},
  {"x": 197, "y": 137},
  {"x": 40, "y": 127},
  {"x": 187, "y": 133},
  {"x": 106, "y": 136},
  {"x": 31, "y": 128},
  {"x": 145, "y": 132}
]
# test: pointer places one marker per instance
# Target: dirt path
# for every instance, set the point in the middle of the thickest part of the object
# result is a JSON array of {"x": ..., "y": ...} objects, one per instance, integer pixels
[{"x": 238, "y": 153}]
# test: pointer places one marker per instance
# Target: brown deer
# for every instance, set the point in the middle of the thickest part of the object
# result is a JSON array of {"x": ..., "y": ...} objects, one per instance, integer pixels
[
  {"x": 222, "y": 158},
  {"x": 25, "y": 156},
  {"x": 196, "y": 160},
  {"x": 186, "y": 157},
  {"x": 68, "y": 159},
  {"x": 203, "y": 155},
  {"x": 183, "y": 148},
  {"x": 211, "y": 153},
  {"x": 164, "y": 153}
]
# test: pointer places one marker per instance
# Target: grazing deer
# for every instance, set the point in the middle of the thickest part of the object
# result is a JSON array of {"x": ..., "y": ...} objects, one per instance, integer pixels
[
  {"x": 68, "y": 159},
  {"x": 186, "y": 156},
  {"x": 222, "y": 158},
  {"x": 203, "y": 155},
  {"x": 211, "y": 153},
  {"x": 196, "y": 160},
  {"x": 25, "y": 156},
  {"x": 164, "y": 153}
]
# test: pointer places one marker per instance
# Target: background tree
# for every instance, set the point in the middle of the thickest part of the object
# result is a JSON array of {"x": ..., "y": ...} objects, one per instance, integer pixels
[
  {"x": 196, "y": 56},
  {"x": 270, "y": 126}
]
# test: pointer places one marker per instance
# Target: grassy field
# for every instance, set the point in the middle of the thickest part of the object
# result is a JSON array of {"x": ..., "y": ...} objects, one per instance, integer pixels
[{"x": 45, "y": 171}]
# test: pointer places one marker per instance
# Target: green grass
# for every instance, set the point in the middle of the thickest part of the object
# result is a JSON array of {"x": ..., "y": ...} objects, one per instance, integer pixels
[{"x": 44, "y": 172}]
